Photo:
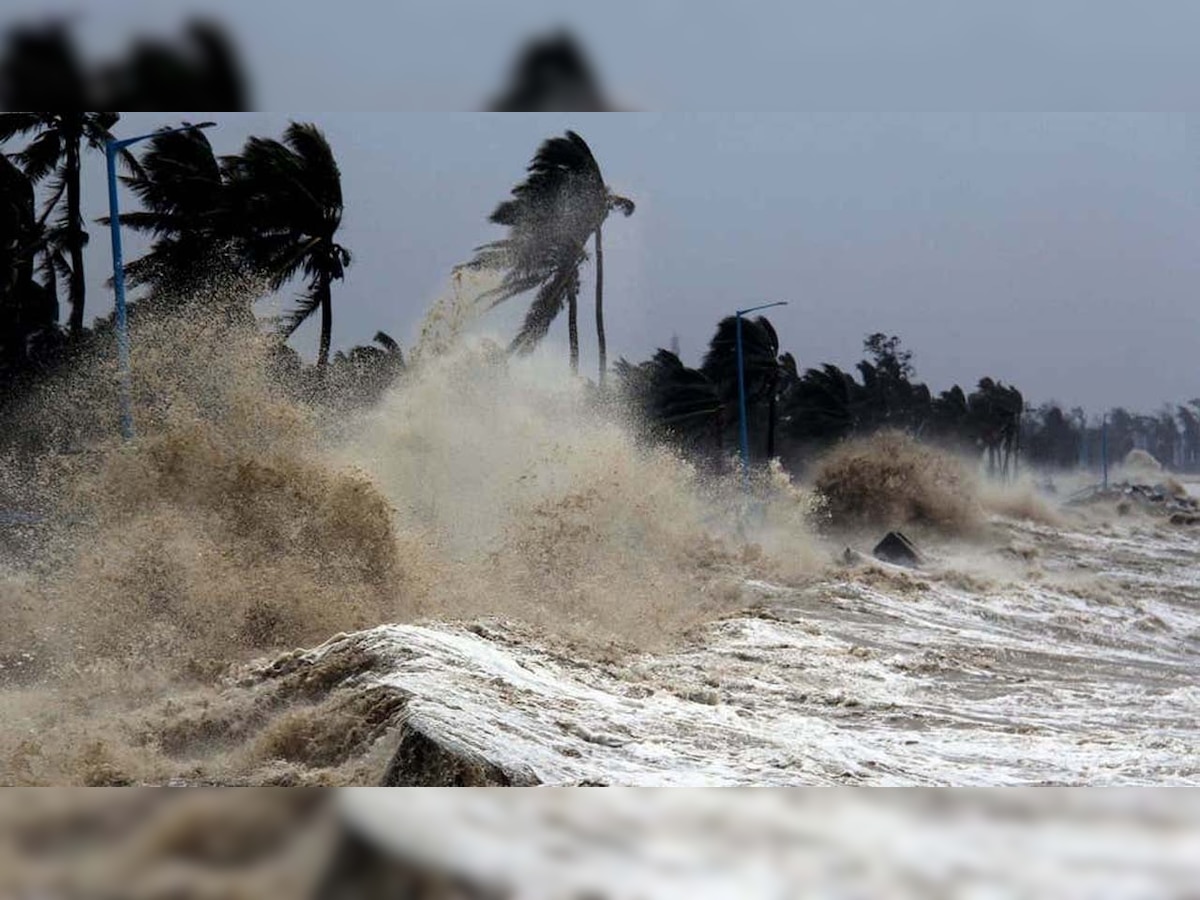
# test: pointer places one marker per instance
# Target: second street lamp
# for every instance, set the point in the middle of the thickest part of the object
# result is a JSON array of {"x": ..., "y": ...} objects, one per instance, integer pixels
[{"x": 743, "y": 429}]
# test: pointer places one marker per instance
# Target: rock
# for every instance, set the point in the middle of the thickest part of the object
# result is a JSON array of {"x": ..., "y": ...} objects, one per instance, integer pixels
[
  {"x": 898, "y": 549},
  {"x": 423, "y": 760},
  {"x": 1184, "y": 519}
]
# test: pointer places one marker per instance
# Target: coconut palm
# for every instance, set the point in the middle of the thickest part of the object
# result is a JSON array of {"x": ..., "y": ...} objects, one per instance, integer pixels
[
  {"x": 362, "y": 374},
  {"x": 185, "y": 208},
  {"x": 675, "y": 402},
  {"x": 29, "y": 331},
  {"x": 822, "y": 406},
  {"x": 288, "y": 196},
  {"x": 996, "y": 410},
  {"x": 560, "y": 205},
  {"x": 762, "y": 367},
  {"x": 58, "y": 141},
  {"x": 1189, "y": 419},
  {"x": 552, "y": 74}
]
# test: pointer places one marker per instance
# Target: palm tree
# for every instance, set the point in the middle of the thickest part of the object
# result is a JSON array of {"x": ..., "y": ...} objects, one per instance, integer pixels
[
  {"x": 552, "y": 74},
  {"x": 823, "y": 406},
  {"x": 185, "y": 208},
  {"x": 762, "y": 367},
  {"x": 614, "y": 201},
  {"x": 554, "y": 211},
  {"x": 675, "y": 402},
  {"x": 55, "y": 149},
  {"x": 1190, "y": 427},
  {"x": 288, "y": 195},
  {"x": 996, "y": 410},
  {"x": 362, "y": 374},
  {"x": 29, "y": 332}
]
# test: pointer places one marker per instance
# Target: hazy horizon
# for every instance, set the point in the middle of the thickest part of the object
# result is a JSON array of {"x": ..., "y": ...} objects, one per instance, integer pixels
[{"x": 1050, "y": 251}]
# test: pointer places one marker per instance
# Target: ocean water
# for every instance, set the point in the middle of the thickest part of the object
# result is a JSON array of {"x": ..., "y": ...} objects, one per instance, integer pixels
[
  {"x": 491, "y": 555},
  {"x": 1058, "y": 657}
]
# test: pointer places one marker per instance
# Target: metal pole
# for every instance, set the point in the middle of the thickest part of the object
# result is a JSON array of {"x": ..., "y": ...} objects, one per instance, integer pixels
[
  {"x": 743, "y": 427},
  {"x": 124, "y": 375},
  {"x": 743, "y": 430},
  {"x": 114, "y": 226},
  {"x": 1104, "y": 448}
]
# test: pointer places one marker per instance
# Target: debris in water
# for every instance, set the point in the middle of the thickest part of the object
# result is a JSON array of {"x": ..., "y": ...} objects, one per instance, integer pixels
[{"x": 898, "y": 549}]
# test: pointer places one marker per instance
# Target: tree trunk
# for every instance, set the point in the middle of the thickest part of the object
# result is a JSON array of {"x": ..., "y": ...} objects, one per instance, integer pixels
[
  {"x": 326, "y": 323},
  {"x": 771, "y": 425},
  {"x": 573, "y": 328},
  {"x": 600, "y": 341},
  {"x": 75, "y": 234}
]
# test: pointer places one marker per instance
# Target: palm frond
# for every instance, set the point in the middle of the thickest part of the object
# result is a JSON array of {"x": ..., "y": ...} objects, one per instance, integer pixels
[
  {"x": 547, "y": 304},
  {"x": 309, "y": 303},
  {"x": 624, "y": 204},
  {"x": 386, "y": 341},
  {"x": 58, "y": 186},
  {"x": 97, "y": 128},
  {"x": 18, "y": 123},
  {"x": 42, "y": 155}
]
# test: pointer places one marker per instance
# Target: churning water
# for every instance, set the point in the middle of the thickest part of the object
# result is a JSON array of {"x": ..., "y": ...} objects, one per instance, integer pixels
[{"x": 493, "y": 552}]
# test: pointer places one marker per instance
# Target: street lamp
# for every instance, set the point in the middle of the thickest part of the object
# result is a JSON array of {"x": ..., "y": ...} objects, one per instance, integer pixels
[
  {"x": 111, "y": 149},
  {"x": 744, "y": 433}
]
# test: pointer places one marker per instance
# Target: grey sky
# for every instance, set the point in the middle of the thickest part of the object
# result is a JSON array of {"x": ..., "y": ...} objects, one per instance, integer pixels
[
  {"x": 1058, "y": 252},
  {"x": 700, "y": 54}
]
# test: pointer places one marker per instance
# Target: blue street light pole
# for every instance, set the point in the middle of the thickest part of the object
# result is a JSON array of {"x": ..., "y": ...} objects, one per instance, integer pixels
[
  {"x": 111, "y": 150},
  {"x": 743, "y": 429}
]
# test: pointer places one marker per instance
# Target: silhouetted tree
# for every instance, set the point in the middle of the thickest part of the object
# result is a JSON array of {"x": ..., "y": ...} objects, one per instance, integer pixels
[
  {"x": 1121, "y": 437},
  {"x": 822, "y": 407},
  {"x": 950, "y": 418},
  {"x": 1051, "y": 437},
  {"x": 360, "y": 375},
  {"x": 995, "y": 413},
  {"x": 200, "y": 71},
  {"x": 763, "y": 370},
  {"x": 891, "y": 398},
  {"x": 29, "y": 333},
  {"x": 552, "y": 73},
  {"x": 676, "y": 403},
  {"x": 1189, "y": 427},
  {"x": 41, "y": 68},
  {"x": 887, "y": 355},
  {"x": 560, "y": 205},
  {"x": 187, "y": 209},
  {"x": 288, "y": 197},
  {"x": 58, "y": 139}
]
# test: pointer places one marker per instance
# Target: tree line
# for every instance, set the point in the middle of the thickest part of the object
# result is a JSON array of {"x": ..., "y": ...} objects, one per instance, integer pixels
[
  {"x": 795, "y": 415},
  {"x": 267, "y": 216},
  {"x": 1064, "y": 439},
  {"x": 270, "y": 215}
]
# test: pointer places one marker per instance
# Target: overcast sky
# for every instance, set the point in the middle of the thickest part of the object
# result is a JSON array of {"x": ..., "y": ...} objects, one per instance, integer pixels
[
  {"x": 696, "y": 54},
  {"x": 1058, "y": 252}
]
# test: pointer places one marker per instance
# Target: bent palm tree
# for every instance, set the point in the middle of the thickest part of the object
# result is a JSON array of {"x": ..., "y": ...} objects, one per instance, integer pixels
[
  {"x": 58, "y": 141},
  {"x": 996, "y": 410},
  {"x": 289, "y": 195},
  {"x": 674, "y": 401},
  {"x": 823, "y": 406},
  {"x": 563, "y": 202},
  {"x": 182, "y": 189},
  {"x": 762, "y": 367}
]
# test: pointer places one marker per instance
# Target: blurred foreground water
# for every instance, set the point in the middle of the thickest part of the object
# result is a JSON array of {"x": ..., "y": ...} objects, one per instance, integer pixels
[{"x": 615, "y": 843}]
